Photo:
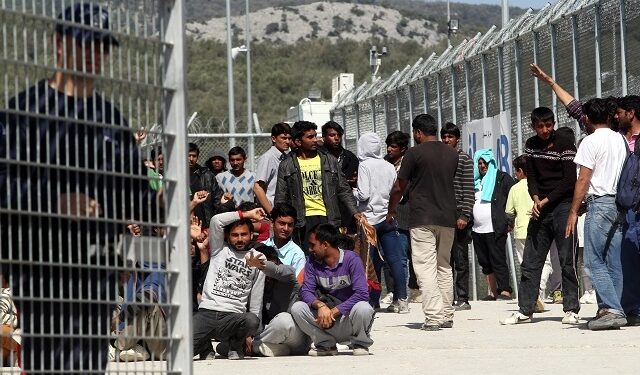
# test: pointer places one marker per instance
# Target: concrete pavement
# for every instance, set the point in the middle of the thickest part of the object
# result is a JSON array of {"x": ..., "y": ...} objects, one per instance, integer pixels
[{"x": 477, "y": 344}]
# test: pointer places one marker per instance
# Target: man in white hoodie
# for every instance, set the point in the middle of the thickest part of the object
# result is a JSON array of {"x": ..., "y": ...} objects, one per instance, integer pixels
[
  {"x": 230, "y": 288},
  {"x": 376, "y": 177}
]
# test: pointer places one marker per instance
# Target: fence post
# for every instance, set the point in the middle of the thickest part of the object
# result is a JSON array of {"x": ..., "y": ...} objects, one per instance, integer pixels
[
  {"x": 439, "y": 100},
  {"x": 576, "y": 71},
  {"x": 373, "y": 114},
  {"x": 554, "y": 56},
  {"x": 411, "y": 115},
  {"x": 484, "y": 85},
  {"x": 518, "y": 68},
  {"x": 397, "y": 109},
  {"x": 536, "y": 84},
  {"x": 180, "y": 358},
  {"x": 597, "y": 31},
  {"x": 501, "y": 78},
  {"x": 356, "y": 110},
  {"x": 425, "y": 95},
  {"x": 623, "y": 54},
  {"x": 454, "y": 105}
]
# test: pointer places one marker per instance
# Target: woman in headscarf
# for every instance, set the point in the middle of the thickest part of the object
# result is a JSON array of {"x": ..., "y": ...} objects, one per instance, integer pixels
[{"x": 489, "y": 230}]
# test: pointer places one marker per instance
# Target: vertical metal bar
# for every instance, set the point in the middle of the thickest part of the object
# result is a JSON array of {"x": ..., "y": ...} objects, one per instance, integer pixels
[
  {"x": 484, "y": 86},
  {"x": 501, "y": 80},
  {"x": 247, "y": 43},
  {"x": 397, "y": 110},
  {"x": 576, "y": 72},
  {"x": 467, "y": 90},
  {"x": 357, "y": 113},
  {"x": 596, "y": 51},
  {"x": 386, "y": 112},
  {"x": 554, "y": 56},
  {"x": 230, "y": 96},
  {"x": 623, "y": 49},
  {"x": 373, "y": 114},
  {"x": 536, "y": 84},
  {"x": 425, "y": 95},
  {"x": 518, "y": 98},
  {"x": 454, "y": 102},
  {"x": 410, "y": 92},
  {"x": 344, "y": 118},
  {"x": 181, "y": 354},
  {"x": 439, "y": 101}
]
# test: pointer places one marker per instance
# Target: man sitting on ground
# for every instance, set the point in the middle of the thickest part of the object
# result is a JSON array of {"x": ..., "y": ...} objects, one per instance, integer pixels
[
  {"x": 280, "y": 336},
  {"x": 232, "y": 292},
  {"x": 334, "y": 306}
]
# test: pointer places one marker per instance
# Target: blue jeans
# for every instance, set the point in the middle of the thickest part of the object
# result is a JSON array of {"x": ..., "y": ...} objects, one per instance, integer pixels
[
  {"x": 390, "y": 246},
  {"x": 602, "y": 250},
  {"x": 630, "y": 259}
]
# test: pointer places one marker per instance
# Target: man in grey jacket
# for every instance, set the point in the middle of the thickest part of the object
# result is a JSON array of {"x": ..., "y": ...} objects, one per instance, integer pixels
[
  {"x": 230, "y": 286},
  {"x": 280, "y": 336},
  {"x": 312, "y": 182}
]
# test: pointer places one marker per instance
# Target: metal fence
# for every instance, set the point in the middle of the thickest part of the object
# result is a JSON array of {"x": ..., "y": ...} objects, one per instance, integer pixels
[
  {"x": 583, "y": 44},
  {"x": 587, "y": 46},
  {"x": 81, "y": 229},
  {"x": 212, "y": 141}
]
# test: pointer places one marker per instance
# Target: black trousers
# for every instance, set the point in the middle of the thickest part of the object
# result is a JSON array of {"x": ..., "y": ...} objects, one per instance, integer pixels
[
  {"x": 460, "y": 264},
  {"x": 64, "y": 305},
  {"x": 549, "y": 227},
  {"x": 222, "y": 326},
  {"x": 492, "y": 256},
  {"x": 301, "y": 235}
]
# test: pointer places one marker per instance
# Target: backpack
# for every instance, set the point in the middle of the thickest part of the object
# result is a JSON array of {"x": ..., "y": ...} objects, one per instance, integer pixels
[{"x": 628, "y": 193}]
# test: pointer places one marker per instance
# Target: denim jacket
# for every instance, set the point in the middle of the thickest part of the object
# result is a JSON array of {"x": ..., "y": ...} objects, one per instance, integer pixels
[{"x": 335, "y": 189}]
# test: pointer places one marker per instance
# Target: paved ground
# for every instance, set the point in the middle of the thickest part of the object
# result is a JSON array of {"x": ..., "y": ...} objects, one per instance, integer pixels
[{"x": 477, "y": 344}]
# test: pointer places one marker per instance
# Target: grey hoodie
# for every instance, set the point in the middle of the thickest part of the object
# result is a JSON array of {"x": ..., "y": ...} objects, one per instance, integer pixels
[
  {"x": 376, "y": 177},
  {"x": 230, "y": 285}
]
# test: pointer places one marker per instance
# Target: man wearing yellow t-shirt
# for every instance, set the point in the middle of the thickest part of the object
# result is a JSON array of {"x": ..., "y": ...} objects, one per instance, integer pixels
[{"x": 312, "y": 182}]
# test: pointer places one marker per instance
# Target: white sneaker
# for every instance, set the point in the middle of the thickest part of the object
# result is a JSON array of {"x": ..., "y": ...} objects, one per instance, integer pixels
[
  {"x": 268, "y": 349},
  {"x": 137, "y": 353},
  {"x": 516, "y": 318},
  {"x": 589, "y": 297},
  {"x": 113, "y": 353},
  {"x": 388, "y": 299},
  {"x": 403, "y": 306},
  {"x": 570, "y": 318}
]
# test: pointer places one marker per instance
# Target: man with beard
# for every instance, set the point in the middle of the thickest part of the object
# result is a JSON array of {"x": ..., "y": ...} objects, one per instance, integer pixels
[
  {"x": 238, "y": 181},
  {"x": 628, "y": 117},
  {"x": 231, "y": 304}
]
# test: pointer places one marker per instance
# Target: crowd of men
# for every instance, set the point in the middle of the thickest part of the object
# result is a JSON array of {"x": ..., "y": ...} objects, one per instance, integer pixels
[{"x": 289, "y": 259}]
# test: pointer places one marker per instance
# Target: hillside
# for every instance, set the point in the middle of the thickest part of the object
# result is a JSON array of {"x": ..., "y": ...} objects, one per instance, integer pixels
[{"x": 335, "y": 21}]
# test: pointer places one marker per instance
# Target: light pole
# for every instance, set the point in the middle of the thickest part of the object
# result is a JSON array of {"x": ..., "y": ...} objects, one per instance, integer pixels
[
  {"x": 232, "y": 115},
  {"x": 375, "y": 59},
  {"x": 452, "y": 25},
  {"x": 247, "y": 42}
]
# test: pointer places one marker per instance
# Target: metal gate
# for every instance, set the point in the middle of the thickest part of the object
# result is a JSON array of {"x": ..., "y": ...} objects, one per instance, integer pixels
[{"x": 94, "y": 246}]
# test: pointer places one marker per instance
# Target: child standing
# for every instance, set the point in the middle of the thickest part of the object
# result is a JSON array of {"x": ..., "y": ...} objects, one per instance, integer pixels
[{"x": 518, "y": 212}]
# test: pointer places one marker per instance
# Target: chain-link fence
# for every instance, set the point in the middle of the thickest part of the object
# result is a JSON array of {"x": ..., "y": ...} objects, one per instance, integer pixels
[
  {"x": 212, "y": 142},
  {"x": 590, "y": 47},
  {"x": 95, "y": 251}
]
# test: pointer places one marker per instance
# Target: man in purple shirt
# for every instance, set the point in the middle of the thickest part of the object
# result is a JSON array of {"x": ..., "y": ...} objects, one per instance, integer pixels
[{"x": 334, "y": 303}]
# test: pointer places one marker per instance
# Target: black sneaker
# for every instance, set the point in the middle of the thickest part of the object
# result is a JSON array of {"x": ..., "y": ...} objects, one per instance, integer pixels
[
  {"x": 462, "y": 305},
  {"x": 607, "y": 320},
  {"x": 633, "y": 320},
  {"x": 431, "y": 327},
  {"x": 447, "y": 323}
]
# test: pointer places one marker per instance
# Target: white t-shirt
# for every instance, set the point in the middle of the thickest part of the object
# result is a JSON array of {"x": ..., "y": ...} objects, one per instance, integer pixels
[
  {"x": 604, "y": 152},
  {"x": 482, "y": 215}
]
